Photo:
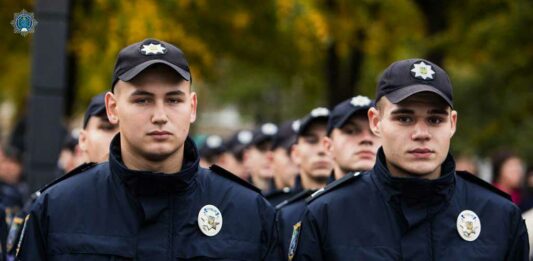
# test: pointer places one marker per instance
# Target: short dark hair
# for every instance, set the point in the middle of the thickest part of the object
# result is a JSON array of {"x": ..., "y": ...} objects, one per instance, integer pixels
[{"x": 498, "y": 160}]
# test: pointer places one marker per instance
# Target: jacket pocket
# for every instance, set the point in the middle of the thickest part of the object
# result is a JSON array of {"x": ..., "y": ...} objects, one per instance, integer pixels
[{"x": 85, "y": 247}]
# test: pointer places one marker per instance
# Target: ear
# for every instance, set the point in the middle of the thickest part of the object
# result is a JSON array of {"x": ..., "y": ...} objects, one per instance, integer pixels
[
  {"x": 194, "y": 103},
  {"x": 327, "y": 142},
  {"x": 295, "y": 154},
  {"x": 82, "y": 140},
  {"x": 453, "y": 119},
  {"x": 374, "y": 121},
  {"x": 111, "y": 107}
]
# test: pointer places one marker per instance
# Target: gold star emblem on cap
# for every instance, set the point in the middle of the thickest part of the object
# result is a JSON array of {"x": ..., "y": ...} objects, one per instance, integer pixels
[
  {"x": 423, "y": 71},
  {"x": 148, "y": 49}
]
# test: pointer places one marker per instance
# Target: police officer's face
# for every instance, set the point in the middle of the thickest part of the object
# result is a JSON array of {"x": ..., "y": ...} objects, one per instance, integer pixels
[
  {"x": 354, "y": 146},
  {"x": 95, "y": 138},
  {"x": 284, "y": 168},
  {"x": 415, "y": 133},
  {"x": 258, "y": 160},
  {"x": 154, "y": 112},
  {"x": 310, "y": 154}
]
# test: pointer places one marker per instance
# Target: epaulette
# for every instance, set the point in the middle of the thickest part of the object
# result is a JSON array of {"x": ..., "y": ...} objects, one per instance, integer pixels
[
  {"x": 81, "y": 168},
  {"x": 301, "y": 195},
  {"x": 474, "y": 179},
  {"x": 224, "y": 173},
  {"x": 333, "y": 185}
]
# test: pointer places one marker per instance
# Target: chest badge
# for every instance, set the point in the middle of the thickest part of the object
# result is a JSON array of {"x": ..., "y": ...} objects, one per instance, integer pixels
[
  {"x": 210, "y": 220},
  {"x": 468, "y": 225}
]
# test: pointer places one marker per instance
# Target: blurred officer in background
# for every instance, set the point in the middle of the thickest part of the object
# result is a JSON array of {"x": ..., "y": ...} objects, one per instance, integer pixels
[
  {"x": 97, "y": 131},
  {"x": 257, "y": 156},
  {"x": 233, "y": 158},
  {"x": 412, "y": 205},
  {"x": 352, "y": 144},
  {"x": 211, "y": 151},
  {"x": 285, "y": 170},
  {"x": 315, "y": 165},
  {"x": 151, "y": 200}
]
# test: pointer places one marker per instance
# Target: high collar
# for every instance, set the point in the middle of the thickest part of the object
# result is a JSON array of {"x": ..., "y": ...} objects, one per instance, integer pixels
[
  {"x": 297, "y": 184},
  {"x": 412, "y": 194},
  {"x": 147, "y": 183}
]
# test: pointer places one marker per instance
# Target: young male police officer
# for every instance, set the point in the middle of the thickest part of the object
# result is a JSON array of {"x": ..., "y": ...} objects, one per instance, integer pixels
[
  {"x": 350, "y": 140},
  {"x": 151, "y": 201},
  {"x": 284, "y": 168},
  {"x": 257, "y": 156},
  {"x": 412, "y": 205},
  {"x": 315, "y": 165},
  {"x": 97, "y": 131}
]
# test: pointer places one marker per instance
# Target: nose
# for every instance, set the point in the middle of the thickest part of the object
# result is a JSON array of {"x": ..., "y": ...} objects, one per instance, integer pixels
[
  {"x": 159, "y": 117},
  {"x": 367, "y": 138},
  {"x": 421, "y": 132}
]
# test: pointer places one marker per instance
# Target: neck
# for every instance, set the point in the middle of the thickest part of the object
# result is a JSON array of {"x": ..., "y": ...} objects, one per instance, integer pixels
[
  {"x": 396, "y": 171},
  {"x": 260, "y": 183},
  {"x": 133, "y": 161},
  {"x": 309, "y": 182},
  {"x": 281, "y": 183},
  {"x": 338, "y": 172}
]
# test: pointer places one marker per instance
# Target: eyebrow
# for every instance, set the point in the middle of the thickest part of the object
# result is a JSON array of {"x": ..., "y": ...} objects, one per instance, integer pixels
[
  {"x": 409, "y": 111},
  {"x": 145, "y": 93}
]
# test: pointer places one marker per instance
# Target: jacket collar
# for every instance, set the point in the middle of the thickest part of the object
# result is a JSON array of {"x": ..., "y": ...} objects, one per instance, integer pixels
[
  {"x": 416, "y": 198},
  {"x": 147, "y": 183}
]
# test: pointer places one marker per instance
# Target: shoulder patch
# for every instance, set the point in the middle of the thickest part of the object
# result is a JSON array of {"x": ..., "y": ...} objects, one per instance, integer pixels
[
  {"x": 81, "y": 168},
  {"x": 226, "y": 174},
  {"x": 474, "y": 179},
  {"x": 302, "y": 195},
  {"x": 347, "y": 178}
]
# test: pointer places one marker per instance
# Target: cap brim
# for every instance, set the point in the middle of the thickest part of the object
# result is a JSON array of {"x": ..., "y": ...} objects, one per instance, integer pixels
[
  {"x": 345, "y": 118},
  {"x": 405, "y": 92},
  {"x": 304, "y": 126},
  {"x": 131, "y": 73}
]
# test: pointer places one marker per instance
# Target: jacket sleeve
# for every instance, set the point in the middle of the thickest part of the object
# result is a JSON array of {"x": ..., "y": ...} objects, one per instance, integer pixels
[
  {"x": 306, "y": 242},
  {"x": 32, "y": 243},
  {"x": 519, "y": 247}
]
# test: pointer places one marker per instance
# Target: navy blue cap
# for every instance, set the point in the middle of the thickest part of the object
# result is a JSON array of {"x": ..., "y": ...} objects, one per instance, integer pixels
[
  {"x": 238, "y": 142},
  {"x": 286, "y": 135},
  {"x": 407, "y": 77},
  {"x": 265, "y": 132},
  {"x": 137, "y": 57},
  {"x": 96, "y": 107},
  {"x": 212, "y": 146},
  {"x": 316, "y": 115},
  {"x": 344, "y": 110}
]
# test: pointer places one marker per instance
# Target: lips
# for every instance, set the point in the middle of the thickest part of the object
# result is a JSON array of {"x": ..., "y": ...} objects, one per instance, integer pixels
[
  {"x": 159, "y": 134},
  {"x": 366, "y": 154},
  {"x": 421, "y": 153}
]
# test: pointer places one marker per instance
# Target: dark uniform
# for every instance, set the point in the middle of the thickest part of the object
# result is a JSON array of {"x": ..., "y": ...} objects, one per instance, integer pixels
[
  {"x": 374, "y": 216},
  {"x": 109, "y": 212}
]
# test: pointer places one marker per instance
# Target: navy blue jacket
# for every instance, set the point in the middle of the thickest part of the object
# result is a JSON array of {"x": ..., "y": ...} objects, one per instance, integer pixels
[
  {"x": 109, "y": 212},
  {"x": 374, "y": 216},
  {"x": 288, "y": 213}
]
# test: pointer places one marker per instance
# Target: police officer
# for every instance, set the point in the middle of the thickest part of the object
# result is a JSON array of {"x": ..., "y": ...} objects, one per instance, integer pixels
[
  {"x": 350, "y": 140},
  {"x": 151, "y": 201},
  {"x": 315, "y": 165},
  {"x": 258, "y": 158},
  {"x": 413, "y": 205},
  {"x": 233, "y": 158},
  {"x": 284, "y": 169},
  {"x": 97, "y": 131},
  {"x": 211, "y": 151}
]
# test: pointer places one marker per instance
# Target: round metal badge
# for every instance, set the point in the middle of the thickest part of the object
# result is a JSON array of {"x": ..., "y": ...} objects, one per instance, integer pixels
[
  {"x": 210, "y": 220},
  {"x": 468, "y": 225}
]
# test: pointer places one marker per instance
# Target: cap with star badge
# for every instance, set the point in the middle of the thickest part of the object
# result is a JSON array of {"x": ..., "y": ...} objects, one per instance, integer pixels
[
  {"x": 265, "y": 132},
  {"x": 344, "y": 110},
  {"x": 319, "y": 114},
  {"x": 135, "y": 58},
  {"x": 407, "y": 77}
]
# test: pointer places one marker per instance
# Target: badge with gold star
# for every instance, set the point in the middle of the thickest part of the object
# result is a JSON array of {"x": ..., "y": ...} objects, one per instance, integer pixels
[
  {"x": 153, "y": 49},
  {"x": 422, "y": 71}
]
